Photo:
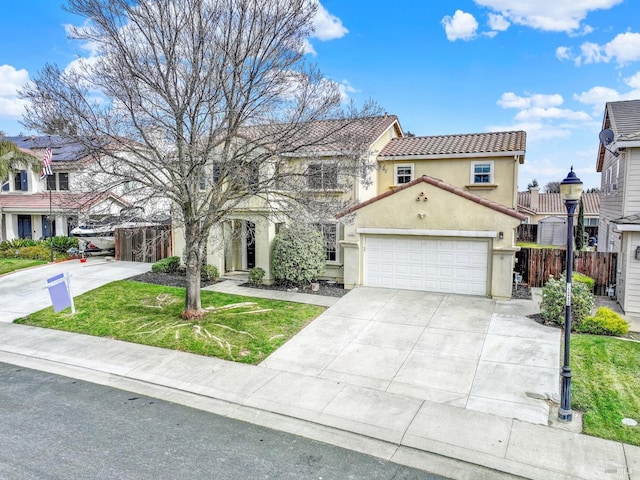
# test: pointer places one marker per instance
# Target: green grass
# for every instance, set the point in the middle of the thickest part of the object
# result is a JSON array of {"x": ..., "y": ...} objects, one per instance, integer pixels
[
  {"x": 606, "y": 385},
  {"x": 12, "y": 264},
  {"x": 150, "y": 314}
]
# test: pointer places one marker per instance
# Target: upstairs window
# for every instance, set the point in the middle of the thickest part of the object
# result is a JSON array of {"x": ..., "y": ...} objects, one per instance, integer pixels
[
  {"x": 403, "y": 174},
  {"x": 21, "y": 181},
  {"x": 323, "y": 176},
  {"x": 58, "y": 181},
  {"x": 482, "y": 173}
]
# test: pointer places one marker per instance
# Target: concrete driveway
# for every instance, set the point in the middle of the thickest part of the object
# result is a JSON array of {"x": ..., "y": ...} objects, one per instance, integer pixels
[
  {"x": 468, "y": 352},
  {"x": 24, "y": 292}
]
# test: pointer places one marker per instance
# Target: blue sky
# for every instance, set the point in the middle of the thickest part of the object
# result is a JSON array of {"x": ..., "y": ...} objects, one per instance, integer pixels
[{"x": 461, "y": 66}]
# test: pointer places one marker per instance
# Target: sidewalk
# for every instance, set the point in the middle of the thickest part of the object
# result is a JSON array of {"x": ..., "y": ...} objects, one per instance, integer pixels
[{"x": 399, "y": 428}]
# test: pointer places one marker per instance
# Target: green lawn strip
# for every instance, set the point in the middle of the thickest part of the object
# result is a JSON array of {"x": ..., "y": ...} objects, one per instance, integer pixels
[
  {"x": 150, "y": 314},
  {"x": 12, "y": 264},
  {"x": 606, "y": 385}
]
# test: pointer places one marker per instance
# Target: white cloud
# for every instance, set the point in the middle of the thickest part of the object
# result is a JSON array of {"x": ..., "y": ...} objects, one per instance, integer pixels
[
  {"x": 537, "y": 113},
  {"x": 564, "y": 53},
  {"x": 498, "y": 22},
  {"x": 549, "y": 15},
  {"x": 346, "y": 88},
  {"x": 327, "y": 26},
  {"x": 462, "y": 26},
  {"x": 598, "y": 96},
  {"x": 623, "y": 49},
  {"x": 511, "y": 100},
  {"x": 11, "y": 80}
]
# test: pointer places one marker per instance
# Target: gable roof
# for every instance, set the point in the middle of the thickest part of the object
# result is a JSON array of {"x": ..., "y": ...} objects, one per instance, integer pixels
[
  {"x": 623, "y": 118},
  {"x": 59, "y": 201},
  {"x": 552, "y": 203},
  {"x": 321, "y": 137},
  {"x": 444, "y": 186},
  {"x": 471, "y": 144}
]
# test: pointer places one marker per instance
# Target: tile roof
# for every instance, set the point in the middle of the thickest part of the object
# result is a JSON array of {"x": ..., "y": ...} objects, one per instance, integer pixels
[
  {"x": 630, "y": 220},
  {"x": 444, "y": 186},
  {"x": 321, "y": 136},
  {"x": 551, "y": 203},
  {"x": 494, "y": 143}
]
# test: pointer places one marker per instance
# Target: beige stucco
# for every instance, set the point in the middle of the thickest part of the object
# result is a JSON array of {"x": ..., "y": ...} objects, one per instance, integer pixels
[
  {"x": 426, "y": 210},
  {"x": 457, "y": 172}
]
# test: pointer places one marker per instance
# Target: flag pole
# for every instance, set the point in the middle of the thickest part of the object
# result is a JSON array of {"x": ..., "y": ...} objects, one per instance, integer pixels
[{"x": 50, "y": 224}]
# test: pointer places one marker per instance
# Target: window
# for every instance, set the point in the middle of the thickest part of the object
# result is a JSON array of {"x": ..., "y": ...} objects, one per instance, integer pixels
[
  {"x": 330, "y": 234},
  {"x": 58, "y": 181},
  {"x": 21, "y": 181},
  {"x": 217, "y": 172},
  {"x": 403, "y": 174},
  {"x": 482, "y": 173},
  {"x": 202, "y": 183},
  {"x": 63, "y": 181},
  {"x": 591, "y": 222},
  {"x": 323, "y": 176}
]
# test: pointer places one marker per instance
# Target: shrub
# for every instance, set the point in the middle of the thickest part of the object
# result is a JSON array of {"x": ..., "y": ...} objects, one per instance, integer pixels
[
  {"x": 37, "y": 252},
  {"x": 256, "y": 275},
  {"x": 17, "y": 243},
  {"x": 298, "y": 255},
  {"x": 62, "y": 244},
  {"x": 209, "y": 273},
  {"x": 552, "y": 307},
  {"x": 166, "y": 265},
  {"x": 604, "y": 322},
  {"x": 582, "y": 278}
]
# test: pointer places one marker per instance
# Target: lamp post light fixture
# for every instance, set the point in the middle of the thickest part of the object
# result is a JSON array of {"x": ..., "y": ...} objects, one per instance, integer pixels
[{"x": 570, "y": 191}]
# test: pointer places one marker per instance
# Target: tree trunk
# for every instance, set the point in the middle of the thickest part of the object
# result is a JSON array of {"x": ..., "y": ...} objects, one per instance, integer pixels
[{"x": 193, "y": 305}]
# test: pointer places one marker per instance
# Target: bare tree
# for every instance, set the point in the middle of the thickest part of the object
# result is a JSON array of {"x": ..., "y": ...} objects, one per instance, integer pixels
[
  {"x": 552, "y": 187},
  {"x": 202, "y": 104}
]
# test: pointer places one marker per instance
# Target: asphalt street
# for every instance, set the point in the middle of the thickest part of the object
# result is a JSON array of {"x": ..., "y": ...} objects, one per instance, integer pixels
[{"x": 54, "y": 427}]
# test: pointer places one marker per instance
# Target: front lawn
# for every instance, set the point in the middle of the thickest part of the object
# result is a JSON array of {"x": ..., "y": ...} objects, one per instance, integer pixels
[
  {"x": 606, "y": 385},
  {"x": 12, "y": 264},
  {"x": 241, "y": 329}
]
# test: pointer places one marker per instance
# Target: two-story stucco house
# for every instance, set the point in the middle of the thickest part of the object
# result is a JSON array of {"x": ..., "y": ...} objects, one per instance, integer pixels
[
  {"x": 619, "y": 228},
  {"x": 35, "y": 208},
  {"x": 438, "y": 215}
]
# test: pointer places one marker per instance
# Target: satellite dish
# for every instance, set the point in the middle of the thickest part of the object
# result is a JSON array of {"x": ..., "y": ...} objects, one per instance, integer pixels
[{"x": 606, "y": 138}]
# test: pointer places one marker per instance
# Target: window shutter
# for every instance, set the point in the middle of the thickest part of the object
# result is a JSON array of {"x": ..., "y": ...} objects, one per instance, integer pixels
[{"x": 24, "y": 181}]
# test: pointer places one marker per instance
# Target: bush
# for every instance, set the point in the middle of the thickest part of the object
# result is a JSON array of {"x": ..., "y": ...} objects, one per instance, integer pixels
[
  {"x": 209, "y": 273},
  {"x": 552, "y": 307},
  {"x": 298, "y": 255},
  {"x": 166, "y": 265},
  {"x": 582, "y": 278},
  {"x": 604, "y": 322},
  {"x": 62, "y": 244},
  {"x": 17, "y": 243},
  {"x": 37, "y": 252},
  {"x": 256, "y": 275}
]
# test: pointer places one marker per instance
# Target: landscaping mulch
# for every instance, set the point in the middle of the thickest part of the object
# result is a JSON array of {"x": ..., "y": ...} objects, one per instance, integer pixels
[
  {"x": 168, "y": 279},
  {"x": 327, "y": 288}
]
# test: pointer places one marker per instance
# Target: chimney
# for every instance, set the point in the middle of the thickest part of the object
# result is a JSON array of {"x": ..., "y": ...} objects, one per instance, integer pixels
[{"x": 534, "y": 199}]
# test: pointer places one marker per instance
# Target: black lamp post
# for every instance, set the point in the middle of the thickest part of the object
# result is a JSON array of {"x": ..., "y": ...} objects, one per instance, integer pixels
[{"x": 570, "y": 190}]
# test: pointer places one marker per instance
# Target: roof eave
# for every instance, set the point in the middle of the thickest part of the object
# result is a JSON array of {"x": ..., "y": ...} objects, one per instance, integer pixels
[{"x": 518, "y": 154}]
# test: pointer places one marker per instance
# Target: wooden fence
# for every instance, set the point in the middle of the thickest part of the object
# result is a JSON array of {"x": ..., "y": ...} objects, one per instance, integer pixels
[
  {"x": 536, "y": 264},
  {"x": 143, "y": 244}
]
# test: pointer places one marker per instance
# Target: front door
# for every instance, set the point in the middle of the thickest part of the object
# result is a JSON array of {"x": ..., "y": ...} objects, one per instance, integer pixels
[
  {"x": 48, "y": 229},
  {"x": 250, "y": 235},
  {"x": 24, "y": 226}
]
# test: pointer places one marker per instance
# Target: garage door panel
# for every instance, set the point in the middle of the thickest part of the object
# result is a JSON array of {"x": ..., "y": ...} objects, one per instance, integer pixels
[{"x": 449, "y": 265}]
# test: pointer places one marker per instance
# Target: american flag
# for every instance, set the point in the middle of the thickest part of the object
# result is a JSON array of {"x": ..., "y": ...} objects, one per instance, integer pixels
[{"x": 47, "y": 161}]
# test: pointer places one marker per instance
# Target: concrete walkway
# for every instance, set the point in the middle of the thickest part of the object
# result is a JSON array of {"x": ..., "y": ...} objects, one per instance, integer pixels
[{"x": 393, "y": 425}]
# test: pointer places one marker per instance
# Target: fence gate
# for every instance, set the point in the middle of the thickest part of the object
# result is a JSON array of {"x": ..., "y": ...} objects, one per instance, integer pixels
[{"x": 143, "y": 244}]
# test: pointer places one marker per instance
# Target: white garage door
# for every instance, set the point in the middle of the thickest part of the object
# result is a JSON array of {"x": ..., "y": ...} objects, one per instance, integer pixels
[{"x": 429, "y": 264}]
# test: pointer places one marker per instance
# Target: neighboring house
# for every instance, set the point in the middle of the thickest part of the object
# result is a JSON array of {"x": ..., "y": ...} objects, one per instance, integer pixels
[
  {"x": 549, "y": 213},
  {"x": 27, "y": 202},
  {"x": 619, "y": 229},
  {"x": 439, "y": 215}
]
